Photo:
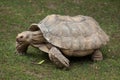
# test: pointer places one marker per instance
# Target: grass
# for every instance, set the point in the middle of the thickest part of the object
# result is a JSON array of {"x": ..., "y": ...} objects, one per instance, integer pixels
[{"x": 17, "y": 15}]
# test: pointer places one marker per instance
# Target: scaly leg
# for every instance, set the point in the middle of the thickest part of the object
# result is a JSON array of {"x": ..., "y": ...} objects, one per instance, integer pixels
[
  {"x": 97, "y": 55},
  {"x": 58, "y": 58},
  {"x": 21, "y": 48}
]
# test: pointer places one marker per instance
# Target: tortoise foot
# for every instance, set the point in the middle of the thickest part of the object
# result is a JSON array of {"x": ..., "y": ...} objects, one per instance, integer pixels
[{"x": 97, "y": 55}]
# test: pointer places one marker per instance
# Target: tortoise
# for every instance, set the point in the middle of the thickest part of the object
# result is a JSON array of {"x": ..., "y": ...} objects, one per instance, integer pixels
[{"x": 63, "y": 36}]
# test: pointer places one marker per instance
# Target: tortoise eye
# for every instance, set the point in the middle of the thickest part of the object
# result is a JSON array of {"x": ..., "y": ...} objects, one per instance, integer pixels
[{"x": 21, "y": 36}]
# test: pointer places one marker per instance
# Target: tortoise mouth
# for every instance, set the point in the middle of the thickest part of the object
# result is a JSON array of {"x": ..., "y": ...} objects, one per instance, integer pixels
[{"x": 20, "y": 41}]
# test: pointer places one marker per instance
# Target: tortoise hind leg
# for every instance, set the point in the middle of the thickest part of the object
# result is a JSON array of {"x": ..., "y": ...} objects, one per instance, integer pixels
[
  {"x": 58, "y": 58},
  {"x": 97, "y": 55}
]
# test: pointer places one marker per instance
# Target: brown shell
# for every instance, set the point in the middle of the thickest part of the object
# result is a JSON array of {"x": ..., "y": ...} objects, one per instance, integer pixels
[{"x": 75, "y": 33}]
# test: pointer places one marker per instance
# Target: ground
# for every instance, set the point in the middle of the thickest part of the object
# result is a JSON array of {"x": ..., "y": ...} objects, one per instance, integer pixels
[{"x": 17, "y": 15}]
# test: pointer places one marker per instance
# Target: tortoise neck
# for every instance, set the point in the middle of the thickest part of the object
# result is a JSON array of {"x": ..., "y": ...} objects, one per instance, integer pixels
[{"x": 37, "y": 38}]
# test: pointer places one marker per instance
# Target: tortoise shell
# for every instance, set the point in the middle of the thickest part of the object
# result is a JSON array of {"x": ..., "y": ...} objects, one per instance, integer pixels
[{"x": 74, "y": 33}]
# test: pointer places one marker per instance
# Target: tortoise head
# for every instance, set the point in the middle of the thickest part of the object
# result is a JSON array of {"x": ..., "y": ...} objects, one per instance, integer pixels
[
  {"x": 24, "y": 37},
  {"x": 32, "y": 37}
]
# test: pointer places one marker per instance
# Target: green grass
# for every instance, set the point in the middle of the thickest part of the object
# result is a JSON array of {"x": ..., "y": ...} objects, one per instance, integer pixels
[{"x": 17, "y": 15}]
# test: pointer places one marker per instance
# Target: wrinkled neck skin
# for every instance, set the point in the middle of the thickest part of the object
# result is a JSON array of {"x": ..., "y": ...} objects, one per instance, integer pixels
[{"x": 37, "y": 38}]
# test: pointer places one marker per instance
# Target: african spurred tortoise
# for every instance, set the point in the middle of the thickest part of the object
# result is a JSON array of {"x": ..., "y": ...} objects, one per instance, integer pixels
[{"x": 62, "y": 36}]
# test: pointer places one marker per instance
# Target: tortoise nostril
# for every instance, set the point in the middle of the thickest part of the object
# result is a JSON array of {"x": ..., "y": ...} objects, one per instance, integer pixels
[{"x": 17, "y": 39}]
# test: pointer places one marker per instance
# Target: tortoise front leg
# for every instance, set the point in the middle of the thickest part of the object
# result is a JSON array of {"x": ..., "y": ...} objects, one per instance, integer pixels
[
  {"x": 21, "y": 48},
  {"x": 58, "y": 58}
]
